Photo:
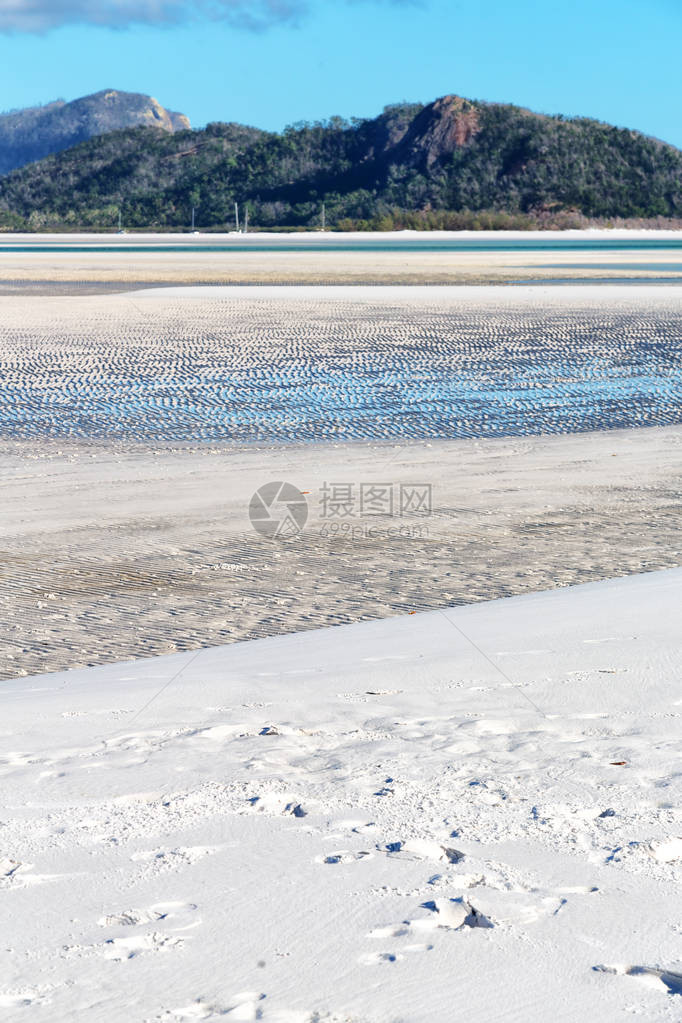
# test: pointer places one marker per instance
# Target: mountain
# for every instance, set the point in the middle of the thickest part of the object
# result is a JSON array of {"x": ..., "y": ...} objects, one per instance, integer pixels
[
  {"x": 453, "y": 162},
  {"x": 36, "y": 132}
]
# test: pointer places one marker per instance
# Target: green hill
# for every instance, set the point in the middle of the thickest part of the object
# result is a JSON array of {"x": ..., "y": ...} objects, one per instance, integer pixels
[{"x": 413, "y": 162}]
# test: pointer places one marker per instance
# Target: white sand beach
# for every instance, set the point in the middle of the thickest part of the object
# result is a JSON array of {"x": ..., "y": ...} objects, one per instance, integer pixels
[
  {"x": 471, "y": 813},
  {"x": 463, "y": 808}
]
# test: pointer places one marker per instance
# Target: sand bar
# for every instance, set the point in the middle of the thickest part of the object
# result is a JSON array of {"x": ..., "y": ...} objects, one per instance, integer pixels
[{"x": 187, "y": 259}]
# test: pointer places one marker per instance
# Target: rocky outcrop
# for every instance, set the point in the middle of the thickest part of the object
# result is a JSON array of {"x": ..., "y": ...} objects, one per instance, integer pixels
[
  {"x": 29, "y": 135},
  {"x": 441, "y": 127}
]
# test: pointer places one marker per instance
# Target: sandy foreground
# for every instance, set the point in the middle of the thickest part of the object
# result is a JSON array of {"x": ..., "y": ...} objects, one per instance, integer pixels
[
  {"x": 111, "y": 552},
  {"x": 467, "y": 814},
  {"x": 129, "y": 266}
]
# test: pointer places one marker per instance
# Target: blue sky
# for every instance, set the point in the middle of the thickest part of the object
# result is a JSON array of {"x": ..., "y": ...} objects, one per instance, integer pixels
[{"x": 272, "y": 62}]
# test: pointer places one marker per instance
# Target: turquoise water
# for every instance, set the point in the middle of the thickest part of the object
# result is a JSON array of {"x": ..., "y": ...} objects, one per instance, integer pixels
[
  {"x": 337, "y": 244},
  {"x": 652, "y": 267},
  {"x": 611, "y": 279}
]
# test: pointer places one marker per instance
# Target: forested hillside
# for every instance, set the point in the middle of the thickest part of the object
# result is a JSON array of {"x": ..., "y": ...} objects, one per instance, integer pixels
[{"x": 429, "y": 163}]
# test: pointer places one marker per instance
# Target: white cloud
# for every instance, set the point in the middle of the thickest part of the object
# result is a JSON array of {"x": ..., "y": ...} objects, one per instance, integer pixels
[{"x": 42, "y": 15}]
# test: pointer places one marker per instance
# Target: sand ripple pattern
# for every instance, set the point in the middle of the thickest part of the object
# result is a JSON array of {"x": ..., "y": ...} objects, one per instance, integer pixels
[
  {"x": 109, "y": 555},
  {"x": 249, "y": 368}
]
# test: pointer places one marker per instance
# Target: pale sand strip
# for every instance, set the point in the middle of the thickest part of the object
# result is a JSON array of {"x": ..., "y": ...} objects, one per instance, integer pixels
[
  {"x": 134, "y": 267},
  {"x": 112, "y": 553}
]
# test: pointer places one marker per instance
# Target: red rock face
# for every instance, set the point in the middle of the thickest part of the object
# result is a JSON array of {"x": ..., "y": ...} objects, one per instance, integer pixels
[
  {"x": 440, "y": 128},
  {"x": 453, "y": 122}
]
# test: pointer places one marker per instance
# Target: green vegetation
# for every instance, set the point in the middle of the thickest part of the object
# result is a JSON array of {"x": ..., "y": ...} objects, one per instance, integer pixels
[{"x": 452, "y": 164}]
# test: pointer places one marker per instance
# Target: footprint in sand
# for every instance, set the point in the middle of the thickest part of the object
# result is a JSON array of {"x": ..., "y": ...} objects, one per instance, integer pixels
[
  {"x": 381, "y": 958},
  {"x": 397, "y": 931},
  {"x": 501, "y": 899},
  {"x": 177, "y": 914},
  {"x": 449, "y": 914},
  {"x": 344, "y": 856},
  {"x": 352, "y": 827},
  {"x": 159, "y": 861},
  {"x": 665, "y": 850},
  {"x": 120, "y": 949},
  {"x": 196, "y": 1010},
  {"x": 423, "y": 849},
  {"x": 663, "y": 980},
  {"x": 20, "y": 998},
  {"x": 15, "y": 874},
  {"x": 9, "y": 868},
  {"x": 277, "y": 803},
  {"x": 245, "y": 1006}
]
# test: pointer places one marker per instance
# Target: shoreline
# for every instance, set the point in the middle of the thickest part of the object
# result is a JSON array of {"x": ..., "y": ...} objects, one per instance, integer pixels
[
  {"x": 137, "y": 541},
  {"x": 405, "y": 258},
  {"x": 579, "y": 234}
]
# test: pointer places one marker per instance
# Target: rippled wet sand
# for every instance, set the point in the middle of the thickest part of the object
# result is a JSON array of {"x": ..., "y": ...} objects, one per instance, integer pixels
[
  {"x": 284, "y": 365},
  {"x": 111, "y": 552},
  {"x": 135, "y": 428}
]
